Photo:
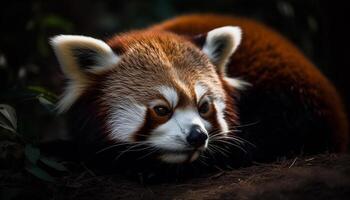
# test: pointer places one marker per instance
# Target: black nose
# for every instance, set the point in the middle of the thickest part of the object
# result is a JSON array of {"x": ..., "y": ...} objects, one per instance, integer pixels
[{"x": 197, "y": 136}]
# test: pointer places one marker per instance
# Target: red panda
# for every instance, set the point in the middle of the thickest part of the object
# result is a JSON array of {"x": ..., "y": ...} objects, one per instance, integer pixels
[{"x": 197, "y": 87}]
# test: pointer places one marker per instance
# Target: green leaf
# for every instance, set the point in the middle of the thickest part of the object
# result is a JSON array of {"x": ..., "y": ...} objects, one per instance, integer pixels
[
  {"x": 46, "y": 103},
  {"x": 39, "y": 173},
  {"x": 53, "y": 164},
  {"x": 8, "y": 118},
  {"x": 32, "y": 153},
  {"x": 45, "y": 97},
  {"x": 42, "y": 93}
]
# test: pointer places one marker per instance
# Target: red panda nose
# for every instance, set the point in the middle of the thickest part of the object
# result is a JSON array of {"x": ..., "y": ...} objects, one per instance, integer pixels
[{"x": 197, "y": 136}]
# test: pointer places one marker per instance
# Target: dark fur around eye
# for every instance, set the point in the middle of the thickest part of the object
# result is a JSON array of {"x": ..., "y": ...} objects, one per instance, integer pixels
[
  {"x": 162, "y": 111},
  {"x": 204, "y": 108}
]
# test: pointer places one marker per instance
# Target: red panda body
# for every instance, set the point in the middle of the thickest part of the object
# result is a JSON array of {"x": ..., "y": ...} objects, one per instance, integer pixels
[
  {"x": 288, "y": 92},
  {"x": 288, "y": 108}
]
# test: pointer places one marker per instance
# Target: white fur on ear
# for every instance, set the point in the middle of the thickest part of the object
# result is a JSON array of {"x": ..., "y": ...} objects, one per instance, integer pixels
[
  {"x": 237, "y": 83},
  {"x": 78, "y": 55},
  {"x": 220, "y": 44},
  {"x": 71, "y": 50}
]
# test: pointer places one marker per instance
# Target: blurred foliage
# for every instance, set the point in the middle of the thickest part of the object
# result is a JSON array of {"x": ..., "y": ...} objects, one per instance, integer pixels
[
  {"x": 18, "y": 151},
  {"x": 30, "y": 76}
]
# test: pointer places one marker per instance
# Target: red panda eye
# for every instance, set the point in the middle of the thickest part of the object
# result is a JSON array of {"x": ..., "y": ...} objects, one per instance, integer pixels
[
  {"x": 204, "y": 108},
  {"x": 162, "y": 111}
]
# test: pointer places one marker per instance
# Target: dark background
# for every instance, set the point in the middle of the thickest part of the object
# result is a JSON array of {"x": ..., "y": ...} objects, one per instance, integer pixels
[{"x": 318, "y": 28}]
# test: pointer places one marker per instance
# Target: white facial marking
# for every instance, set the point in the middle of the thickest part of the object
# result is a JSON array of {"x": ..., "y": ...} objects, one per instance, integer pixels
[
  {"x": 168, "y": 136},
  {"x": 169, "y": 94},
  {"x": 126, "y": 119},
  {"x": 172, "y": 134},
  {"x": 200, "y": 90},
  {"x": 188, "y": 117},
  {"x": 156, "y": 102},
  {"x": 173, "y": 157},
  {"x": 220, "y": 107},
  {"x": 237, "y": 83}
]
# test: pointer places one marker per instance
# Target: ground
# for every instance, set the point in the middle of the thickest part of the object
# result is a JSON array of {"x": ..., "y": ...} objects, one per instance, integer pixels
[{"x": 318, "y": 177}]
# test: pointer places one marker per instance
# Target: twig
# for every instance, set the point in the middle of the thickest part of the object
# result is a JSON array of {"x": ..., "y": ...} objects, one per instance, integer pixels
[{"x": 295, "y": 159}]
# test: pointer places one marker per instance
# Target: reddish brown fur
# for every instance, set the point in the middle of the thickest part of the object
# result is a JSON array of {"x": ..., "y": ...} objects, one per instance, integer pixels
[
  {"x": 163, "y": 54},
  {"x": 166, "y": 53},
  {"x": 267, "y": 60}
]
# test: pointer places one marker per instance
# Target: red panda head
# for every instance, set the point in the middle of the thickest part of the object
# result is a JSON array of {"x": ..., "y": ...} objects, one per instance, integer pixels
[{"x": 155, "y": 88}]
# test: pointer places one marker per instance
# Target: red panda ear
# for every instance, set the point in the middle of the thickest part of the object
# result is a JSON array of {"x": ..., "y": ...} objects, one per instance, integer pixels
[
  {"x": 78, "y": 55},
  {"x": 219, "y": 44}
]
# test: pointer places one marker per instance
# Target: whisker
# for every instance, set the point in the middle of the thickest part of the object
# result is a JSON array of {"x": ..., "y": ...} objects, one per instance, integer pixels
[
  {"x": 228, "y": 138},
  {"x": 151, "y": 152},
  {"x": 248, "y": 124},
  {"x": 246, "y": 141},
  {"x": 220, "y": 150},
  {"x": 235, "y": 145},
  {"x": 220, "y": 135},
  {"x": 117, "y": 145},
  {"x": 210, "y": 151},
  {"x": 234, "y": 141},
  {"x": 127, "y": 150},
  {"x": 200, "y": 159}
]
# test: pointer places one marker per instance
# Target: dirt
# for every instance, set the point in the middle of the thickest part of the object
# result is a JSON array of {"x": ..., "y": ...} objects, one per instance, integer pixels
[{"x": 318, "y": 177}]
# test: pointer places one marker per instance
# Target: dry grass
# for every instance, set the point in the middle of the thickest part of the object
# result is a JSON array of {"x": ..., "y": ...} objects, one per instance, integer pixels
[{"x": 324, "y": 176}]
